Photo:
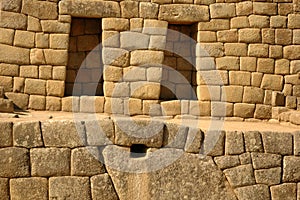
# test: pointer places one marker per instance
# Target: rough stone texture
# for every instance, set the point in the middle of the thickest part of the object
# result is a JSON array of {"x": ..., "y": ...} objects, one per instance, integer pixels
[
  {"x": 268, "y": 176},
  {"x": 234, "y": 143},
  {"x": 27, "y": 134},
  {"x": 243, "y": 110},
  {"x": 35, "y": 188},
  {"x": 284, "y": 191},
  {"x": 14, "y": 162},
  {"x": 278, "y": 143},
  {"x": 46, "y": 10},
  {"x": 50, "y": 161},
  {"x": 14, "y": 55},
  {"x": 63, "y": 133},
  {"x": 6, "y": 106},
  {"x": 13, "y": 20},
  {"x": 254, "y": 192},
  {"x": 265, "y": 160},
  {"x": 76, "y": 188},
  {"x": 102, "y": 188},
  {"x": 253, "y": 141},
  {"x": 240, "y": 176},
  {"x": 4, "y": 188},
  {"x": 186, "y": 174},
  {"x": 291, "y": 169},
  {"x": 225, "y": 162},
  {"x": 5, "y": 134}
]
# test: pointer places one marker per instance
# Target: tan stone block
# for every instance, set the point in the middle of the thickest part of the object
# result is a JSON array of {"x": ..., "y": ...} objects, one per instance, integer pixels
[
  {"x": 6, "y": 136},
  {"x": 133, "y": 106},
  {"x": 209, "y": 93},
  {"x": 268, "y": 36},
  {"x": 155, "y": 27},
  {"x": 272, "y": 82},
  {"x": 37, "y": 57},
  {"x": 162, "y": 1},
  {"x": 263, "y": 8},
  {"x": 6, "y": 36},
  {"x": 282, "y": 66},
  {"x": 283, "y": 36},
  {"x": 70, "y": 104},
  {"x": 228, "y": 63},
  {"x": 59, "y": 73},
  {"x": 148, "y": 10},
  {"x": 34, "y": 86},
  {"x": 221, "y": 109},
  {"x": 253, "y": 95},
  {"x": 14, "y": 55},
  {"x": 46, "y": 10},
  {"x": 9, "y": 70},
  {"x": 263, "y": 112},
  {"x": 55, "y": 88},
  {"x": 291, "y": 52},
  {"x": 244, "y": 110},
  {"x": 120, "y": 89},
  {"x": 113, "y": 74},
  {"x": 206, "y": 36},
  {"x": 114, "y": 106},
  {"x": 42, "y": 40},
  {"x": 115, "y": 56},
  {"x": 37, "y": 102},
  {"x": 287, "y": 89},
  {"x": 286, "y": 191},
  {"x": 244, "y": 8},
  {"x": 27, "y": 134},
  {"x": 102, "y": 187},
  {"x": 258, "y": 50},
  {"x": 182, "y": 13},
  {"x": 277, "y": 99},
  {"x": 45, "y": 72},
  {"x": 59, "y": 41},
  {"x": 53, "y": 26},
  {"x": 134, "y": 74},
  {"x": 4, "y": 188},
  {"x": 34, "y": 24},
  {"x": 210, "y": 49},
  {"x": 91, "y": 104},
  {"x": 53, "y": 103},
  {"x": 145, "y": 90},
  {"x": 143, "y": 57},
  {"x": 268, "y": 176},
  {"x": 285, "y": 8},
  {"x": 291, "y": 102},
  {"x": 245, "y": 170},
  {"x": 259, "y": 21},
  {"x": 136, "y": 24},
  {"x": 214, "y": 25},
  {"x": 278, "y": 21},
  {"x": 7, "y": 83},
  {"x": 171, "y": 108},
  {"x": 296, "y": 90},
  {"x": 234, "y": 143},
  {"x": 200, "y": 108},
  {"x": 295, "y": 67},
  {"x": 13, "y": 20},
  {"x": 6, "y": 106},
  {"x": 129, "y": 9},
  {"x": 213, "y": 77},
  {"x": 11, "y": 5},
  {"x": 29, "y": 188},
  {"x": 248, "y": 64},
  {"x": 235, "y": 49},
  {"x": 275, "y": 51},
  {"x": 175, "y": 135},
  {"x": 232, "y": 94},
  {"x": 268, "y": 97},
  {"x": 239, "y": 22},
  {"x": 99, "y": 132},
  {"x": 19, "y": 84},
  {"x": 56, "y": 57},
  {"x": 227, "y": 36},
  {"x": 65, "y": 18},
  {"x": 157, "y": 42},
  {"x": 222, "y": 10},
  {"x": 111, "y": 38},
  {"x": 292, "y": 79},
  {"x": 20, "y": 100},
  {"x": 239, "y": 78},
  {"x": 261, "y": 191},
  {"x": 134, "y": 40},
  {"x": 115, "y": 24},
  {"x": 249, "y": 35},
  {"x": 265, "y": 65},
  {"x": 293, "y": 21},
  {"x": 256, "y": 79}
]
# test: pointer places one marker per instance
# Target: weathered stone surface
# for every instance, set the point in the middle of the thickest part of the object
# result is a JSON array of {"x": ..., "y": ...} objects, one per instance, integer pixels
[
  {"x": 6, "y": 36},
  {"x": 5, "y": 134},
  {"x": 13, "y": 20},
  {"x": 234, "y": 142},
  {"x": 225, "y": 162},
  {"x": 75, "y": 188},
  {"x": 102, "y": 188},
  {"x": 263, "y": 111},
  {"x": 194, "y": 140},
  {"x": 34, "y": 24},
  {"x": 286, "y": 191},
  {"x": 86, "y": 162},
  {"x": 253, "y": 141},
  {"x": 70, "y": 104},
  {"x": 142, "y": 131},
  {"x": 210, "y": 49},
  {"x": 56, "y": 57},
  {"x": 40, "y": 9},
  {"x": 228, "y": 63},
  {"x": 134, "y": 40},
  {"x": 272, "y": 82},
  {"x": 142, "y": 57},
  {"x": 222, "y": 10},
  {"x": 232, "y": 94},
  {"x": 14, "y": 162},
  {"x": 53, "y": 103},
  {"x": 245, "y": 158},
  {"x": 213, "y": 143},
  {"x": 148, "y": 10},
  {"x": 55, "y": 88},
  {"x": 265, "y": 160},
  {"x": 204, "y": 181},
  {"x": 99, "y": 132},
  {"x": 29, "y": 71},
  {"x": 35, "y": 86},
  {"x": 4, "y": 188},
  {"x": 14, "y": 55},
  {"x": 278, "y": 143},
  {"x": 115, "y": 57},
  {"x": 145, "y": 90},
  {"x": 9, "y": 70},
  {"x": 171, "y": 108},
  {"x": 63, "y": 133},
  {"x": 290, "y": 52},
  {"x": 11, "y": 5},
  {"x": 240, "y": 176},
  {"x": 175, "y": 136},
  {"x": 6, "y": 106},
  {"x": 37, "y": 102},
  {"x": 54, "y": 26},
  {"x": 27, "y": 134},
  {"x": 181, "y": 13},
  {"x": 129, "y": 9},
  {"x": 50, "y": 161},
  {"x": 34, "y": 188},
  {"x": 96, "y": 9},
  {"x": 291, "y": 167},
  {"x": 214, "y": 25},
  {"x": 268, "y": 176},
  {"x": 254, "y": 192}
]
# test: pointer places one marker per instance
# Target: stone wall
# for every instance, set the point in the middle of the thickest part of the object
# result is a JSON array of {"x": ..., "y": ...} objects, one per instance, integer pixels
[
  {"x": 246, "y": 58},
  {"x": 67, "y": 159}
]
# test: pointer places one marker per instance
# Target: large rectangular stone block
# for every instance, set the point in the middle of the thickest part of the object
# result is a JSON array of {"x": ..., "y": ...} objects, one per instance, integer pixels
[
  {"x": 27, "y": 134},
  {"x": 6, "y": 36},
  {"x": 291, "y": 168},
  {"x": 240, "y": 78},
  {"x": 54, "y": 26},
  {"x": 14, "y": 55},
  {"x": 278, "y": 143},
  {"x": 222, "y": 10},
  {"x": 102, "y": 188},
  {"x": 145, "y": 90},
  {"x": 232, "y": 94},
  {"x": 175, "y": 135},
  {"x": 234, "y": 143},
  {"x": 40, "y": 9},
  {"x": 37, "y": 102},
  {"x": 99, "y": 132},
  {"x": 35, "y": 86},
  {"x": 56, "y": 57},
  {"x": 214, "y": 25},
  {"x": 272, "y": 82},
  {"x": 13, "y": 20},
  {"x": 244, "y": 110},
  {"x": 253, "y": 95}
]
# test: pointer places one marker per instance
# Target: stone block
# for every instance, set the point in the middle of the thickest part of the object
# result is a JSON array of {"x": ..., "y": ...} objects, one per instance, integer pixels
[
  {"x": 283, "y": 36},
  {"x": 227, "y": 36},
  {"x": 221, "y": 109},
  {"x": 259, "y": 21},
  {"x": 278, "y": 99},
  {"x": 282, "y": 67},
  {"x": 53, "y": 26},
  {"x": 59, "y": 41},
  {"x": 286, "y": 191},
  {"x": 145, "y": 90},
  {"x": 112, "y": 73},
  {"x": 99, "y": 132},
  {"x": 194, "y": 140},
  {"x": 155, "y": 27},
  {"x": 13, "y": 20},
  {"x": 46, "y": 10},
  {"x": 290, "y": 52},
  {"x": 171, "y": 108},
  {"x": 234, "y": 143},
  {"x": 91, "y": 104},
  {"x": 148, "y": 10},
  {"x": 55, "y": 88},
  {"x": 4, "y": 188},
  {"x": 151, "y": 108},
  {"x": 34, "y": 24},
  {"x": 157, "y": 42},
  {"x": 102, "y": 187},
  {"x": 253, "y": 141},
  {"x": 6, "y": 83},
  {"x": 37, "y": 57},
  {"x": 14, "y": 55},
  {"x": 45, "y": 72},
  {"x": 111, "y": 38},
  {"x": 268, "y": 36},
  {"x": 239, "y": 22},
  {"x": 244, "y": 8},
  {"x": 183, "y": 13},
  {"x": 228, "y": 63},
  {"x": 291, "y": 102},
  {"x": 263, "y": 111},
  {"x": 296, "y": 90},
  {"x": 278, "y": 22},
  {"x": 86, "y": 162},
  {"x": 213, "y": 143},
  {"x": 265, "y": 65},
  {"x": 27, "y": 134},
  {"x": 222, "y": 10},
  {"x": 258, "y": 50},
  {"x": 295, "y": 67},
  {"x": 254, "y": 192},
  {"x": 129, "y": 9},
  {"x": 34, "y": 188},
  {"x": 115, "y": 24},
  {"x": 37, "y": 102},
  {"x": 275, "y": 51},
  {"x": 209, "y": 36},
  {"x": 70, "y": 104},
  {"x": 214, "y": 25},
  {"x": 140, "y": 57},
  {"x": 292, "y": 79},
  {"x": 243, "y": 110},
  {"x": 268, "y": 176},
  {"x": 200, "y": 108},
  {"x": 287, "y": 89},
  {"x": 225, "y": 162},
  {"x": 14, "y": 162},
  {"x": 272, "y": 82},
  {"x": 41, "y": 40},
  {"x": 235, "y": 49},
  {"x": 212, "y": 77},
  {"x": 115, "y": 57},
  {"x": 263, "y": 8},
  {"x": 245, "y": 158},
  {"x": 240, "y": 78},
  {"x": 53, "y": 103},
  {"x": 208, "y": 93},
  {"x": 24, "y": 39},
  {"x": 253, "y": 95},
  {"x": 11, "y": 5},
  {"x": 30, "y": 71},
  {"x": 114, "y": 105},
  {"x": 6, "y": 106},
  {"x": 34, "y": 86},
  {"x": 250, "y": 35},
  {"x": 9, "y": 70},
  {"x": 56, "y": 57},
  {"x": 63, "y": 133},
  {"x": 76, "y": 188},
  {"x": 279, "y": 143},
  {"x": 296, "y": 36},
  {"x": 232, "y": 94},
  {"x": 240, "y": 176},
  {"x": 7, "y": 36},
  {"x": 119, "y": 89},
  {"x": 132, "y": 74},
  {"x": 293, "y": 21},
  {"x": 141, "y": 131},
  {"x": 59, "y": 73},
  {"x": 209, "y": 50},
  {"x": 136, "y": 24},
  {"x": 175, "y": 136},
  {"x": 290, "y": 169},
  {"x": 133, "y": 106}
]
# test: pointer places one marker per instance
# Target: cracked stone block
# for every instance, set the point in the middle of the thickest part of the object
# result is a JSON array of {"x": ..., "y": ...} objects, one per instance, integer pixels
[
  {"x": 234, "y": 143},
  {"x": 291, "y": 169},
  {"x": 286, "y": 191},
  {"x": 225, "y": 162},
  {"x": 50, "y": 161},
  {"x": 253, "y": 192},
  {"x": 34, "y": 188},
  {"x": 76, "y": 188},
  {"x": 102, "y": 188},
  {"x": 268, "y": 176},
  {"x": 265, "y": 160},
  {"x": 278, "y": 143},
  {"x": 27, "y": 134},
  {"x": 240, "y": 176}
]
